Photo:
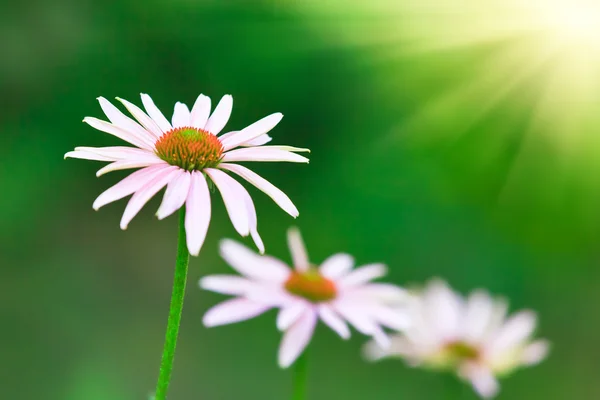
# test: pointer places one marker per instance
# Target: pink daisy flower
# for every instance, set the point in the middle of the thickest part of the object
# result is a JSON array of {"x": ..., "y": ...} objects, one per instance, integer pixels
[
  {"x": 185, "y": 155},
  {"x": 333, "y": 293}
]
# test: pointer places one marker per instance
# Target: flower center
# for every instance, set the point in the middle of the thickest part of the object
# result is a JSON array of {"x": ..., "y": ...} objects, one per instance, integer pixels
[
  {"x": 462, "y": 351},
  {"x": 311, "y": 285},
  {"x": 190, "y": 148}
]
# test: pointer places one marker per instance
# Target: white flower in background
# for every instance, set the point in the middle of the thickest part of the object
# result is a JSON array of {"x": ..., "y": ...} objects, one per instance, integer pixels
[
  {"x": 332, "y": 292},
  {"x": 185, "y": 155},
  {"x": 471, "y": 336}
]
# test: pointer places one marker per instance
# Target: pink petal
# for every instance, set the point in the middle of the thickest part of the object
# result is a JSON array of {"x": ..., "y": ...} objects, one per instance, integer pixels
[
  {"x": 227, "y": 284},
  {"x": 197, "y": 212},
  {"x": 142, "y": 196},
  {"x": 118, "y": 152},
  {"x": 252, "y": 221},
  {"x": 200, "y": 112},
  {"x": 253, "y": 131},
  {"x": 233, "y": 197},
  {"x": 122, "y": 121},
  {"x": 181, "y": 116},
  {"x": 514, "y": 332},
  {"x": 263, "y": 154},
  {"x": 297, "y": 338},
  {"x": 220, "y": 116},
  {"x": 138, "y": 162},
  {"x": 155, "y": 113},
  {"x": 234, "y": 310},
  {"x": 175, "y": 195},
  {"x": 130, "y": 184},
  {"x": 290, "y": 314},
  {"x": 147, "y": 122},
  {"x": 482, "y": 379},
  {"x": 262, "y": 184},
  {"x": 334, "y": 321},
  {"x": 337, "y": 265},
  {"x": 142, "y": 143},
  {"x": 297, "y": 249},
  {"x": 363, "y": 274},
  {"x": 250, "y": 264},
  {"x": 85, "y": 155}
]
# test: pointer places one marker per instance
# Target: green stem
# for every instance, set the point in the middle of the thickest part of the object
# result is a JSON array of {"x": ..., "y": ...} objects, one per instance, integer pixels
[
  {"x": 181, "y": 268},
  {"x": 300, "y": 377}
]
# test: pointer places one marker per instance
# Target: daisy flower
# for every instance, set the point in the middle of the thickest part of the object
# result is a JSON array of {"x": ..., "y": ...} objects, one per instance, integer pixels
[
  {"x": 333, "y": 293},
  {"x": 471, "y": 336},
  {"x": 186, "y": 155}
]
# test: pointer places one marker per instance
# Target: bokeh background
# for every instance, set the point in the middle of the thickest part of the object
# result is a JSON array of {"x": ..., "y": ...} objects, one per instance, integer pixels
[{"x": 450, "y": 138}]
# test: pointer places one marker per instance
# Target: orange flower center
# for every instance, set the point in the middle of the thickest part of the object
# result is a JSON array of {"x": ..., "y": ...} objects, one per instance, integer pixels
[
  {"x": 311, "y": 285},
  {"x": 190, "y": 148}
]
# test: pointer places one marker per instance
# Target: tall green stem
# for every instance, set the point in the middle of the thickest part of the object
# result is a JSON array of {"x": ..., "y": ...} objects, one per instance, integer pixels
[
  {"x": 300, "y": 377},
  {"x": 181, "y": 268}
]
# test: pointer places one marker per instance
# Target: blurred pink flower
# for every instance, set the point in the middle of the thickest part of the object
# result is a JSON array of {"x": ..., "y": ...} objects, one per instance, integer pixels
[
  {"x": 333, "y": 293},
  {"x": 183, "y": 155},
  {"x": 470, "y": 336}
]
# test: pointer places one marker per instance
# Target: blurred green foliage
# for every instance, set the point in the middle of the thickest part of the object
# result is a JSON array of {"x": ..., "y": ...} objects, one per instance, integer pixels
[{"x": 85, "y": 304}]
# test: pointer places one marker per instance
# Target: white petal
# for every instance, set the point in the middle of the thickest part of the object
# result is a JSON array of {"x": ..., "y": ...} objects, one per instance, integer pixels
[
  {"x": 181, "y": 116},
  {"x": 143, "y": 143},
  {"x": 297, "y": 338},
  {"x": 337, "y": 265},
  {"x": 252, "y": 265},
  {"x": 482, "y": 379},
  {"x": 515, "y": 330},
  {"x": 263, "y": 154},
  {"x": 175, "y": 195},
  {"x": 259, "y": 141},
  {"x": 84, "y": 155},
  {"x": 289, "y": 315},
  {"x": 130, "y": 184},
  {"x": 122, "y": 121},
  {"x": 140, "y": 162},
  {"x": 444, "y": 309},
  {"x": 231, "y": 311},
  {"x": 115, "y": 153},
  {"x": 227, "y": 284},
  {"x": 155, "y": 113},
  {"x": 220, "y": 116},
  {"x": 253, "y": 131},
  {"x": 535, "y": 352},
  {"x": 478, "y": 313},
  {"x": 197, "y": 212},
  {"x": 332, "y": 320},
  {"x": 147, "y": 122},
  {"x": 200, "y": 112},
  {"x": 233, "y": 197},
  {"x": 142, "y": 196},
  {"x": 268, "y": 188},
  {"x": 297, "y": 249},
  {"x": 363, "y": 274}
]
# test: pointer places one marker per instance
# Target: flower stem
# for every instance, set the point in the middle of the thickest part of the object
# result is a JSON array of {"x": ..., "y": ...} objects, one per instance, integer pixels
[
  {"x": 181, "y": 268},
  {"x": 300, "y": 377}
]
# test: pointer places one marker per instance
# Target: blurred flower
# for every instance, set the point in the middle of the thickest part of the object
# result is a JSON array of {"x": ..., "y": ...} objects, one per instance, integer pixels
[
  {"x": 332, "y": 292},
  {"x": 181, "y": 155},
  {"x": 470, "y": 336}
]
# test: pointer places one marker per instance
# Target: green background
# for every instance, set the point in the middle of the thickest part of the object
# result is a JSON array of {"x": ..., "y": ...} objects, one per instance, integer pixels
[{"x": 84, "y": 304}]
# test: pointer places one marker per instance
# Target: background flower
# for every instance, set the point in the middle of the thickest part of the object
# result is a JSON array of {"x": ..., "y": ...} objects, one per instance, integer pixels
[{"x": 471, "y": 336}]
